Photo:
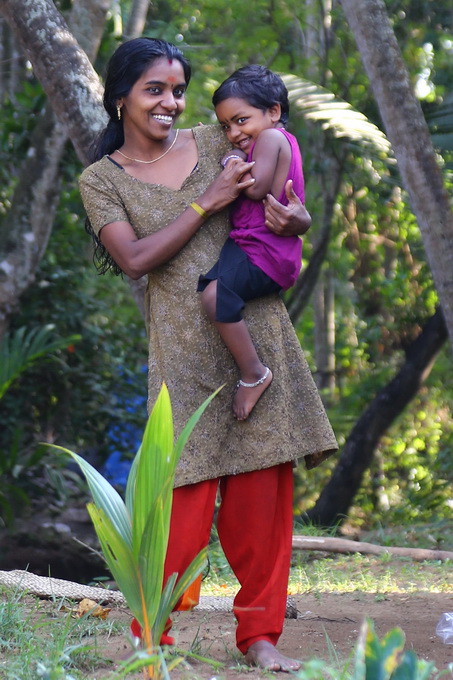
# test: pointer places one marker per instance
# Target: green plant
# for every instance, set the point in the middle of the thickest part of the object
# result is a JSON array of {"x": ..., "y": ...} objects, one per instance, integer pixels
[
  {"x": 32, "y": 644},
  {"x": 134, "y": 534},
  {"x": 19, "y": 350},
  {"x": 375, "y": 659},
  {"x": 386, "y": 659}
]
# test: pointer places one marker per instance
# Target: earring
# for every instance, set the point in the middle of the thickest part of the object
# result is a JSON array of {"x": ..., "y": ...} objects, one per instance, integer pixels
[{"x": 118, "y": 111}]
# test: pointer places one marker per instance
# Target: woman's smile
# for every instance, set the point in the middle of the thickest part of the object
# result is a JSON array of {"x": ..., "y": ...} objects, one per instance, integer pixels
[{"x": 155, "y": 101}]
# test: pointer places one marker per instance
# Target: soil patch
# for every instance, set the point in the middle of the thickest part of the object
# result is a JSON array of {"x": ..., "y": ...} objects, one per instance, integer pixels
[{"x": 327, "y": 627}]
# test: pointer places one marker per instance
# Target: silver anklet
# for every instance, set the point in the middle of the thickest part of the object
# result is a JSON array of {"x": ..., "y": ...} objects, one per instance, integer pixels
[{"x": 241, "y": 383}]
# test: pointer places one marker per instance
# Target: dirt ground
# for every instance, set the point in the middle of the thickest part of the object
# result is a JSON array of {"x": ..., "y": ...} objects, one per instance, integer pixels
[{"x": 327, "y": 627}]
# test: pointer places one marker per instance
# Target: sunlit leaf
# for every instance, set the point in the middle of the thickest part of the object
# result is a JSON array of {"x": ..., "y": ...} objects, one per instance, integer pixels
[
  {"x": 151, "y": 557},
  {"x": 119, "y": 557},
  {"x": 105, "y": 497},
  {"x": 155, "y": 464},
  {"x": 173, "y": 593},
  {"x": 193, "y": 420},
  {"x": 319, "y": 104}
]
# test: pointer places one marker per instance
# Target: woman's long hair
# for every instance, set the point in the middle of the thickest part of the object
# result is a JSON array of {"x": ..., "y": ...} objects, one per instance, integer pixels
[{"x": 125, "y": 67}]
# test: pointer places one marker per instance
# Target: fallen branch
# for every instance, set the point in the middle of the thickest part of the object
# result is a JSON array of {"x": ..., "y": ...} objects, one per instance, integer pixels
[{"x": 343, "y": 545}]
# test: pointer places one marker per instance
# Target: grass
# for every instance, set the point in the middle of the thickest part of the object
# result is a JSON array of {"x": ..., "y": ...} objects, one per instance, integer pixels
[
  {"x": 348, "y": 573},
  {"x": 43, "y": 640}
]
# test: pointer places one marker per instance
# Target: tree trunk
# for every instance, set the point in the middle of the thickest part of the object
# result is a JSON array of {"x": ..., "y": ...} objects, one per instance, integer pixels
[
  {"x": 62, "y": 67},
  {"x": 137, "y": 19},
  {"x": 324, "y": 307},
  {"x": 409, "y": 135},
  {"x": 25, "y": 230},
  {"x": 337, "y": 496},
  {"x": 345, "y": 546},
  {"x": 306, "y": 282}
]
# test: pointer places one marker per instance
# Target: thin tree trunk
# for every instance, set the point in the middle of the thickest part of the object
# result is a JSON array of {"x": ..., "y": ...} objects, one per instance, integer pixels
[
  {"x": 409, "y": 135},
  {"x": 337, "y": 496},
  {"x": 305, "y": 284},
  {"x": 3, "y": 31},
  {"x": 324, "y": 303},
  {"x": 137, "y": 19}
]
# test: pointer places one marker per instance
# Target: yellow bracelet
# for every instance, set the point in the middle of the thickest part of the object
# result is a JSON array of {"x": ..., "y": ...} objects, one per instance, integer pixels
[{"x": 199, "y": 210}]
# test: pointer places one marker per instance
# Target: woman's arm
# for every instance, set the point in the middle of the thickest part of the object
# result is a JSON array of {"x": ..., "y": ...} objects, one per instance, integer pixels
[{"x": 137, "y": 257}]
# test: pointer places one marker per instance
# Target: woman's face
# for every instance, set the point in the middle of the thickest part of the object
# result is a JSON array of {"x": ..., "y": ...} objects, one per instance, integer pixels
[{"x": 156, "y": 100}]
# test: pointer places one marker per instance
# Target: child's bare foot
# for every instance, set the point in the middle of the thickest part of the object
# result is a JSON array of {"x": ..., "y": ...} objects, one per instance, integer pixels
[
  {"x": 247, "y": 394},
  {"x": 266, "y": 656}
]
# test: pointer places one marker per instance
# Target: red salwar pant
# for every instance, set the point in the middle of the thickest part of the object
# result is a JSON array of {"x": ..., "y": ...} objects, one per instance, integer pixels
[{"x": 254, "y": 525}]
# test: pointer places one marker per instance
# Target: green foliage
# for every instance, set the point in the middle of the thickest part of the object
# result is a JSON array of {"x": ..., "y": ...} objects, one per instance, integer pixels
[
  {"x": 385, "y": 659},
  {"x": 21, "y": 349},
  {"x": 383, "y": 287},
  {"x": 134, "y": 534},
  {"x": 375, "y": 659},
  {"x": 32, "y": 645}
]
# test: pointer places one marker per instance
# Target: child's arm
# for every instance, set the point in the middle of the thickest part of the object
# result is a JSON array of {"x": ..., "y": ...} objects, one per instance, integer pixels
[
  {"x": 271, "y": 148},
  {"x": 237, "y": 154},
  {"x": 233, "y": 153}
]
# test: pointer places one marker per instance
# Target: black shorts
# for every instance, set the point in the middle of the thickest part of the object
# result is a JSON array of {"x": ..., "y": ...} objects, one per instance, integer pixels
[{"x": 238, "y": 281}]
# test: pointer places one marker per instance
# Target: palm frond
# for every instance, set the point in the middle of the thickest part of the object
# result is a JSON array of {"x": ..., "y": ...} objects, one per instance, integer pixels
[
  {"x": 119, "y": 557},
  {"x": 134, "y": 534},
  {"x": 20, "y": 349},
  {"x": 156, "y": 466},
  {"x": 105, "y": 496},
  {"x": 319, "y": 104}
]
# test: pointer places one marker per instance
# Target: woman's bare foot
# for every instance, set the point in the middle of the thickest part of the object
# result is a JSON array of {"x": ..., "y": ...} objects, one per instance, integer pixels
[
  {"x": 247, "y": 394},
  {"x": 266, "y": 656}
]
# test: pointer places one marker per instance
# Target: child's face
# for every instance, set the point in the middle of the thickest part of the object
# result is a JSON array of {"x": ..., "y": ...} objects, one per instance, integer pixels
[{"x": 243, "y": 123}]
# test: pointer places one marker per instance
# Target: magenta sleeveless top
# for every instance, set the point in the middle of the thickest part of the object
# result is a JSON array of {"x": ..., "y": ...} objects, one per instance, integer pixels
[{"x": 278, "y": 256}]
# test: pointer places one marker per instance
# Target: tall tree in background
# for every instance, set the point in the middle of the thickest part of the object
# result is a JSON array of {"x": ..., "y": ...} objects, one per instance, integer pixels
[
  {"x": 74, "y": 109},
  {"x": 75, "y": 94},
  {"x": 409, "y": 135}
]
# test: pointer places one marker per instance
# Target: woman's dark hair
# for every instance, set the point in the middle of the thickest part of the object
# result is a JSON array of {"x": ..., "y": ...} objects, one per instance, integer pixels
[
  {"x": 125, "y": 67},
  {"x": 258, "y": 86}
]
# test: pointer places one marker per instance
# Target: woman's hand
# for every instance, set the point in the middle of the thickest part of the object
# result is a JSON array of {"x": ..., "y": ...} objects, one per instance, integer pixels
[
  {"x": 286, "y": 220},
  {"x": 227, "y": 186}
]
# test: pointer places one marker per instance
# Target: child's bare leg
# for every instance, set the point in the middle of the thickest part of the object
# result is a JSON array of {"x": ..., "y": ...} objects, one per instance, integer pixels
[{"x": 237, "y": 338}]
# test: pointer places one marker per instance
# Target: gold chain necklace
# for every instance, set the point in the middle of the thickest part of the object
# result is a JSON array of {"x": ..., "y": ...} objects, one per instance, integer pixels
[{"x": 154, "y": 160}]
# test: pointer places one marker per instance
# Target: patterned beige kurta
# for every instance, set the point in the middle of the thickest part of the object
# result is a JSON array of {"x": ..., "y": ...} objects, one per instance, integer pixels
[{"x": 186, "y": 351}]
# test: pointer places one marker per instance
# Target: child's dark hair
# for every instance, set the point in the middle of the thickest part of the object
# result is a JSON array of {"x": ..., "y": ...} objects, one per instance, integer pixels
[
  {"x": 125, "y": 67},
  {"x": 258, "y": 86}
]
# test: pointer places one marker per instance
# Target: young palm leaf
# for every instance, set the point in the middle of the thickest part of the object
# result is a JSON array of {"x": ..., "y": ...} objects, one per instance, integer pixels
[
  {"x": 321, "y": 105},
  {"x": 134, "y": 534},
  {"x": 19, "y": 350}
]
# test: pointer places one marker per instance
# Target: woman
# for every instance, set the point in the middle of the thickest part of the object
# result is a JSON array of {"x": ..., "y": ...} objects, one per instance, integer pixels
[{"x": 157, "y": 204}]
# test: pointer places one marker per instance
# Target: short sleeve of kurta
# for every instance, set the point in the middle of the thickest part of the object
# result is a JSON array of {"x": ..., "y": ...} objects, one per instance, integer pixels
[
  {"x": 99, "y": 193},
  {"x": 185, "y": 351}
]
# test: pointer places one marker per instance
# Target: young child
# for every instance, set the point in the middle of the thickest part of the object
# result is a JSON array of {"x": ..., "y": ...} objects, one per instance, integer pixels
[{"x": 252, "y": 107}]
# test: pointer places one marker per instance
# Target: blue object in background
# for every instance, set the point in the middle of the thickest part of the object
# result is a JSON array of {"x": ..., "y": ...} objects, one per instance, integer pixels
[
  {"x": 116, "y": 469},
  {"x": 125, "y": 436}
]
